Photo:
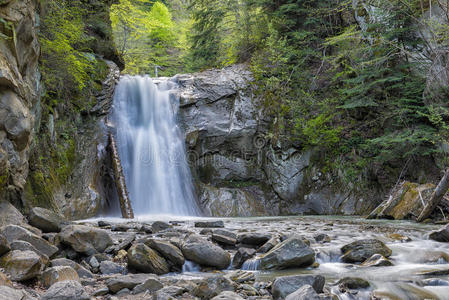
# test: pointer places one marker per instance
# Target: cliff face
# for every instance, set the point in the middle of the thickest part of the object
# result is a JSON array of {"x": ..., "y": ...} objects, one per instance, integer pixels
[
  {"x": 237, "y": 168},
  {"x": 19, "y": 93}
]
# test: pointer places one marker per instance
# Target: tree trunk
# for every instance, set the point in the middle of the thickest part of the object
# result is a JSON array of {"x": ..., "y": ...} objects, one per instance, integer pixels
[
  {"x": 125, "y": 204},
  {"x": 436, "y": 197}
]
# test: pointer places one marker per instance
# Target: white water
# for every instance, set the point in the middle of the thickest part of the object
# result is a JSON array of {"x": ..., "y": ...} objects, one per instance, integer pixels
[{"x": 152, "y": 148}]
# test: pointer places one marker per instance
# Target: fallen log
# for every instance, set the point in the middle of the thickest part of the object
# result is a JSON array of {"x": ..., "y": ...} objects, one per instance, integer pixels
[
  {"x": 125, "y": 203},
  {"x": 436, "y": 197}
]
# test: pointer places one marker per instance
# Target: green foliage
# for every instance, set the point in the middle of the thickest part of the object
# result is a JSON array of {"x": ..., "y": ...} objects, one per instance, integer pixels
[{"x": 146, "y": 36}]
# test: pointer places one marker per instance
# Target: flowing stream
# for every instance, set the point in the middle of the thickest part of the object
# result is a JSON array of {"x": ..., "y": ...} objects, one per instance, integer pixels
[{"x": 151, "y": 147}]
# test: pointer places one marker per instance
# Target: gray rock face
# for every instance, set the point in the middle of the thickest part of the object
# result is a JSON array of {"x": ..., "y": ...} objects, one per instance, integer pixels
[
  {"x": 85, "y": 239},
  {"x": 291, "y": 253},
  {"x": 144, "y": 259},
  {"x": 4, "y": 245},
  {"x": 377, "y": 260},
  {"x": 120, "y": 282},
  {"x": 82, "y": 272},
  {"x": 66, "y": 290},
  {"x": 441, "y": 235},
  {"x": 169, "y": 251},
  {"x": 56, "y": 274},
  {"x": 22, "y": 265},
  {"x": 14, "y": 232},
  {"x": 205, "y": 253},
  {"x": 284, "y": 286},
  {"x": 304, "y": 293},
  {"x": 361, "y": 250},
  {"x": 19, "y": 78},
  {"x": 45, "y": 219},
  {"x": 25, "y": 246},
  {"x": 213, "y": 286}
]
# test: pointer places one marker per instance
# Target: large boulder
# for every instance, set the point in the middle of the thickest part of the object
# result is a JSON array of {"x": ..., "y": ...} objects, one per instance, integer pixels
[
  {"x": 242, "y": 255},
  {"x": 45, "y": 219},
  {"x": 15, "y": 232},
  {"x": 440, "y": 235},
  {"x": 361, "y": 250},
  {"x": 82, "y": 271},
  {"x": 144, "y": 259},
  {"x": 254, "y": 238},
  {"x": 286, "y": 285},
  {"x": 304, "y": 293},
  {"x": 9, "y": 215},
  {"x": 130, "y": 281},
  {"x": 4, "y": 245},
  {"x": 291, "y": 253},
  {"x": 170, "y": 252},
  {"x": 22, "y": 265},
  {"x": 25, "y": 246},
  {"x": 66, "y": 290},
  {"x": 85, "y": 239},
  {"x": 60, "y": 273},
  {"x": 205, "y": 253},
  {"x": 212, "y": 286}
]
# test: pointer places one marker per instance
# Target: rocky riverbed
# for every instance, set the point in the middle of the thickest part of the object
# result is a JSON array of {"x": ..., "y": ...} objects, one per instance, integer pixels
[{"x": 43, "y": 257}]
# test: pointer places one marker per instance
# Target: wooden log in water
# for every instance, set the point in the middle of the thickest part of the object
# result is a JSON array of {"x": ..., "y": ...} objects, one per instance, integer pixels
[
  {"x": 125, "y": 204},
  {"x": 436, "y": 197}
]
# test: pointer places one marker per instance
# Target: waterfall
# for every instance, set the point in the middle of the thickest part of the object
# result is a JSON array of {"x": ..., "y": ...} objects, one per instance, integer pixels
[{"x": 152, "y": 148}]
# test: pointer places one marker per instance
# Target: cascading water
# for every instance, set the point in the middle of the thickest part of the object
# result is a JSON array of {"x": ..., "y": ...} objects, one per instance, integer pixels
[{"x": 151, "y": 148}]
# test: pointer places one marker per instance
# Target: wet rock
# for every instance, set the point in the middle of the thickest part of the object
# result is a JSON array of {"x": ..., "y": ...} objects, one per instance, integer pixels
[
  {"x": 56, "y": 274},
  {"x": 159, "y": 226},
  {"x": 85, "y": 239},
  {"x": 109, "y": 267},
  {"x": 254, "y": 238},
  {"x": 22, "y": 265},
  {"x": 66, "y": 290},
  {"x": 205, "y": 253},
  {"x": 291, "y": 253},
  {"x": 286, "y": 285},
  {"x": 440, "y": 235},
  {"x": 82, "y": 271},
  {"x": 227, "y": 295},
  {"x": 322, "y": 238},
  {"x": 4, "y": 245},
  {"x": 169, "y": 251},
  {"x": 14, "y": 232},
  {"x": 241, "y": 256},
  {"x": 144, "y": 259},
  {"x": 45, "y": 219},
  {"x": 212, "y": 286},
  {"x": 399, "y": 237},
  {"x": 9, "y": 215},
  {"x": 361, "y": 250},
  {"x": 210, "y": 224},
  {"x": 224, "y": 237},
  {"x": 304, "y": 293},
  {"x": 9, "y": 293},
  {"x": 130, "y": 281},
  {"x": 435, "y": 282},
  {"x": 352, "y": 283},
  {"x": 269, "y": 244},
  {"x": 377, "y": 260}
]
